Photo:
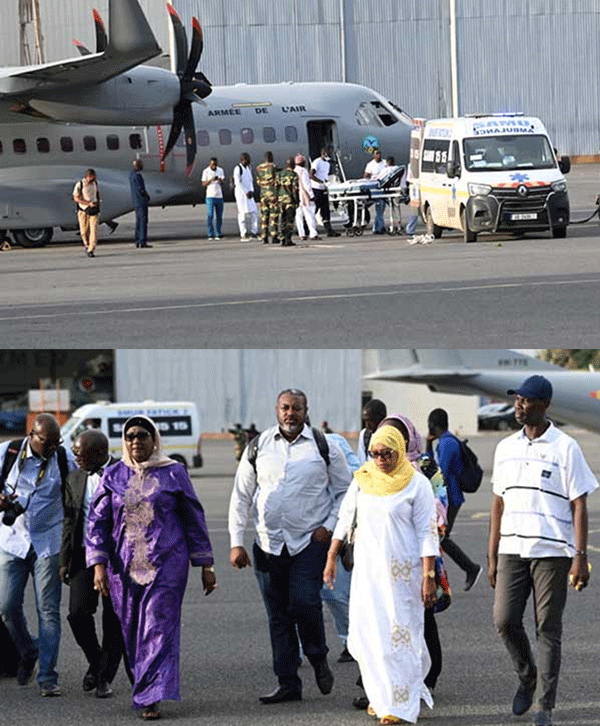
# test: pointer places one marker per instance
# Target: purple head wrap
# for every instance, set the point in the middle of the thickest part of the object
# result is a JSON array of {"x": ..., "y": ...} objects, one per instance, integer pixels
[{"x": 413, "y": 449}]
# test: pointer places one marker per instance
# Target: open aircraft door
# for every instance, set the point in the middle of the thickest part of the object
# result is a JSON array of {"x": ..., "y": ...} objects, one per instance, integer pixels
[{"x": 322, "y": 133}]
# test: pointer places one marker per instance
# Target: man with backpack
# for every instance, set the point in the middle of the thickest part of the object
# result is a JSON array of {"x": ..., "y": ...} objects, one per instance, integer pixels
[
  {"x": 293, "y": 480},
  {"x": 87, "y": 198},
  {"x": 373, "y": 413},
  {"x": 34, "y": 471},
  {"x": 451, "y": 461}
]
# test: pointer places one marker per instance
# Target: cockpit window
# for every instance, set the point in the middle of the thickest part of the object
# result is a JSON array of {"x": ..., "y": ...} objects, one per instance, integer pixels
[{"x": 376, "y": 113}]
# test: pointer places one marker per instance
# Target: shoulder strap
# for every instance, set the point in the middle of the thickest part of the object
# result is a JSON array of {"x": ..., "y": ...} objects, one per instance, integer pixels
[
  {"x": 367, "y": 441},
  {"x": 320, "y": 440},
  {"x": 9, "y": 460}
]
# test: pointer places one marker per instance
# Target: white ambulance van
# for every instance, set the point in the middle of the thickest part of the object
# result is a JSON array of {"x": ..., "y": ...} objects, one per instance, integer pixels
[
  {"x": 494, "y": 173},
  {"x": 177, "y": 421}
]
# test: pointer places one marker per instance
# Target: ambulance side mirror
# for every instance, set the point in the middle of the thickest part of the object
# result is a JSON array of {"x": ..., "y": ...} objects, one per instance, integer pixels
[
  {"x": 564, "y": 164},
  {"x": 452, "y": 169}
]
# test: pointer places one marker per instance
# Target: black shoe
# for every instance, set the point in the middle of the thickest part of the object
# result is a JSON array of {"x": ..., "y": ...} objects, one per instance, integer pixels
[
  {"x": 288, "y": 244},
  {"x": 281, "y": 695},
  {"x": 323, "y": 676},
  {"x": 90, "y": 680},
  {"x": 91, "y": 254},
  {"x": 472, "y": 578},
  {"x": 275, "y": 241},
  {"x": 146, "y": 246},
  {"x": 332, "y": 233},
  {"x": 345, "y": 656},
  {"x": 103, "y": 690},
  {"x": 26, "y": 671},
  {"x": 265, "y": 240},
  {"x": 523, "y": 698},
  {"x": 361, "y": 702}
]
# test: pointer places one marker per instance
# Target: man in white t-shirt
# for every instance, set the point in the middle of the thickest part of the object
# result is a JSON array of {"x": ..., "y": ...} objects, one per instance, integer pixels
[
  {"x": 374, "y": 170},
  {"x": 244, "y": 198},
  {"x": 537, "y": 541},
  {"x": 320, "y": 169},
  {"x": 212, "y": 180}
]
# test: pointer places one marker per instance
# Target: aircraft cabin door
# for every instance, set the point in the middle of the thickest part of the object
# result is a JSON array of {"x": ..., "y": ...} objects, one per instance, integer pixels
[{"x": 322, "y": 133}]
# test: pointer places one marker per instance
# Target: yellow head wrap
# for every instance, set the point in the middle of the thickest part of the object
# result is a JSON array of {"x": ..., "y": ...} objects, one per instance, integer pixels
[{"x": 373, "y": 481}]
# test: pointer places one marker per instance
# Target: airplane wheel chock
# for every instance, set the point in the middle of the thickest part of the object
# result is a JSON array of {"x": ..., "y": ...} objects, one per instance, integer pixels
[{"x": 6, "y": 245}]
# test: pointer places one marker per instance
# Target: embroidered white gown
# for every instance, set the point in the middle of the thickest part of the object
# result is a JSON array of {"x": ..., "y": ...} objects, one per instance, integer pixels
[{"x": 386, "y": 610}]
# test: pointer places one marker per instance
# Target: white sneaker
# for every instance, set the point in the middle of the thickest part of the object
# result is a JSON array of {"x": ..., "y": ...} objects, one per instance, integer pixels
[
  {"x": 218, "y": 237},
  {"x": 245, "y": 238}
]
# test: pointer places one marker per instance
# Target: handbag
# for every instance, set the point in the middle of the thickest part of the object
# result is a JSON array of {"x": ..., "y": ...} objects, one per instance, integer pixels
[
  {"x": 92, "y": 211},
  {"x": 347, "y": 550},
  {"x": 444, "y": 596}
]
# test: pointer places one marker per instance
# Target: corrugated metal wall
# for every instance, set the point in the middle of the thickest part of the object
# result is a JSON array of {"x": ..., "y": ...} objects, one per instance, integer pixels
[
  {"x": 536, "y": 56},
  {"x": 231, "y": 386}
]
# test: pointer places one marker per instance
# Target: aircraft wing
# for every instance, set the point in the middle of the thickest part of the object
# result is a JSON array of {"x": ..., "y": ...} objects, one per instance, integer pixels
[
  {"x": 131, "y": 42},
  {"x": 420, "y": 374}
]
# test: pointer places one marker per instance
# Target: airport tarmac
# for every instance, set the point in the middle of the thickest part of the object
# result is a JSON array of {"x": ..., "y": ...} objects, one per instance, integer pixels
[
  {"x": 225, "y": 654},
  {"x": 368, "y": 292}
]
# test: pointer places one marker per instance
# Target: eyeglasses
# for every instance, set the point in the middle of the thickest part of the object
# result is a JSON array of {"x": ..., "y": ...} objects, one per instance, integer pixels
[
  {"x": 139, "y": 435},
  {"x": 385, "y": 455}
]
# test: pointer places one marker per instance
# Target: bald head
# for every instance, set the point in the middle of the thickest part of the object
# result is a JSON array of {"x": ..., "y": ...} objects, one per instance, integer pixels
[
  {"x": 91, "y": 450},
  {"x": 44, "y": 438}
]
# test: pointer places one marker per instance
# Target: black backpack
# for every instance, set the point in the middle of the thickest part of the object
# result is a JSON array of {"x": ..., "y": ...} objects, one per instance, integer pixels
[
  {"x": 13, "y": 452},
  {"x": 320, "y": 440},
  {"x": 472, "y": 473}
]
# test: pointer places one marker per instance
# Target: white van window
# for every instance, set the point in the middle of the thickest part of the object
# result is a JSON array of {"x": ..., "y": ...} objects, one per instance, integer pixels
[
  {"x": 176, "y": 425},
  {"x": 435, "y": 156},
  {"x": 523, "y": 151}
]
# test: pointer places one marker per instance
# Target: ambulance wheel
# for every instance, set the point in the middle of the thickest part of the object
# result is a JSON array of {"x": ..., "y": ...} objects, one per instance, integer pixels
[
  {"x": 32, "y": 237},
  {"x": 432, "y": 227},
  {"x": 559, "y": 232},
  {"x": 468, "y": 236},
  {"x": 179, "y": 459}
]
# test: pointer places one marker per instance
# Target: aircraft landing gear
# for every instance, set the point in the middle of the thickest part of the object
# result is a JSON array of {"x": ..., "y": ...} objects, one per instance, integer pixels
[
  {"x": 32, "y": 237},
  {"x": 5, "y": 244}
]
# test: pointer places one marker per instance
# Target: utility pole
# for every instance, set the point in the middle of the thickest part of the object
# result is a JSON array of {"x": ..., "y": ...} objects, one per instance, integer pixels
[{"x": 30, "y": 22}]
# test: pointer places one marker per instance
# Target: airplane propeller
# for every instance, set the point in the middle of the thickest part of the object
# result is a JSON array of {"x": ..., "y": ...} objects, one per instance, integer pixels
[
  {"x": 193, "y": 85},
  {"x": 101, "y": 38}
]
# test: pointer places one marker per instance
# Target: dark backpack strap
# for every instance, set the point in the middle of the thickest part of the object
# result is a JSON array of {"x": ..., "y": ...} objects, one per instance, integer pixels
[
  {"x": 367, "y": 441},
  {"x": 9, "y": 460},
  {"x": 63, "y": 467}
]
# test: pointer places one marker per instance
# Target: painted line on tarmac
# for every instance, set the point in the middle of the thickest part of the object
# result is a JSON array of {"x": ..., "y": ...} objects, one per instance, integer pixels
[{"x": 291, "y": 299}]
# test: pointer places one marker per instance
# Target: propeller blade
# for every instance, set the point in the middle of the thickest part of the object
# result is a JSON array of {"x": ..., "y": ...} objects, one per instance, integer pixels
[
  {"x": 181, "y": 44},
  {"x": 82, "y": 48},
  {"x": 101, "y": 39},
  {"x": 190, "y": 136},
  {"x": 195, "y": 50},
  {"x": 176, "y": 127}
]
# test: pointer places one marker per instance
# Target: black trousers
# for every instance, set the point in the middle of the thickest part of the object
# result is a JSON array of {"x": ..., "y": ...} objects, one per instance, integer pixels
[
  {"x": 322, "y": 204},
  {"x": 83, "y": 602},
  {"x": 432, "y": 639}
]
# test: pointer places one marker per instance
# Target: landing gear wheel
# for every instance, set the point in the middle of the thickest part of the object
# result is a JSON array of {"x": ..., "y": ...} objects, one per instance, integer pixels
[
  {"x": 32, "y": 237},
  {"x": 468, "y": 236},
  {"x": 432, "y": 227}
]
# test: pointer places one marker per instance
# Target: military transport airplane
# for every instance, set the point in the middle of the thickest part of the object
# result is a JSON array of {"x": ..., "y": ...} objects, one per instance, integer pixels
[
  {"x": 576, "y": 396},
  {"x": 105, "y": 108}
]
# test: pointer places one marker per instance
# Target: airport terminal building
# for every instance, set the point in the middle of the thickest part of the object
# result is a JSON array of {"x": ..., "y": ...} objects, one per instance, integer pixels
[{"x": 433, "y": 58}]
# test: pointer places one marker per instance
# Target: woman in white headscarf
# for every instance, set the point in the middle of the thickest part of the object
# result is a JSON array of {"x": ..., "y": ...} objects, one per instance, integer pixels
[
  {"x": 395, "y": 547},
  {"x": 146, "y": 526}
]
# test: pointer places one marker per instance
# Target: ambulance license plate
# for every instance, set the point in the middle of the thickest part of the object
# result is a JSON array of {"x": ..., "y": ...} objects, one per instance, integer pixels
[{"x": 523, "y": 215}]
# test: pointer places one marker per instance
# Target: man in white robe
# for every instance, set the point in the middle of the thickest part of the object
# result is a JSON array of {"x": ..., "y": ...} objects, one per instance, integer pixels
[{"x": 244, "y": 198}]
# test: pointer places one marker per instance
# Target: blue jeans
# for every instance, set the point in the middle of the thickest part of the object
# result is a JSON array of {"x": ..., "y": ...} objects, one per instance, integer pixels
[
  {"x": 214, "y": 205},
  {"x": 338, "y": 599},
  {"x": 141, "y": 225},
  {"x": 291, "y": 590},
  {"x": 379, "y": 224},
  {"x": 411, "y": 225},
  {"x": 14, "y": 573}
]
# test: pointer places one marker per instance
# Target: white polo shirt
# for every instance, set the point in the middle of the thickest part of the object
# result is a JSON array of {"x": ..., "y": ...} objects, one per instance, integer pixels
[
  {"x": 321, "y": 168},
  {"x": 537, "y": 481}
]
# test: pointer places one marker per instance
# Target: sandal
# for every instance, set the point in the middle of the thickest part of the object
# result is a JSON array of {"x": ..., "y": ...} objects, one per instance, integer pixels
[
  {"x": 371, "y": 711},
  {"x": 391, "y": 720},
  {"x": 150, "y": 713}
]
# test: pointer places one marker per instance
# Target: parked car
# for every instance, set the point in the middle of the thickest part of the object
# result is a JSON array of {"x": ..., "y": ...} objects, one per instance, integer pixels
[{"x": 497, "y": 417}]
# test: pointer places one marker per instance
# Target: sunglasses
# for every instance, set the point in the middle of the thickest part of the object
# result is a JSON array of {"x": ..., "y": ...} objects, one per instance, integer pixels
[
  {"x": 385, "y": 455},
  {"x": 139, "y": 435}
]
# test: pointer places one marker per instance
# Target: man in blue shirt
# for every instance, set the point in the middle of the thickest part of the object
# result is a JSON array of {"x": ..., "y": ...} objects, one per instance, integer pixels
[
  {"x": 30, "y": 545},
  {"x": 450, "y": 460},
  {"x": 140, "y": 199}
]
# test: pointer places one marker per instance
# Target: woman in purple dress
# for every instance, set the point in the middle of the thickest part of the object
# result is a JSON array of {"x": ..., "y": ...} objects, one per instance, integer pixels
[{"x": 146, "y": 525}]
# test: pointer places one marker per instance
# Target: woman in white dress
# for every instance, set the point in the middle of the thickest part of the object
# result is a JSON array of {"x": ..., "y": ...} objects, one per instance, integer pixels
[{"x": 395, "y": 546}]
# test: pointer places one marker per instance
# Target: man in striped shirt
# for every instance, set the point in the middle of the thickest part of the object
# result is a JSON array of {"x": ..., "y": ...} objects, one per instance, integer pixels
[{"x": 537, "y": 541}]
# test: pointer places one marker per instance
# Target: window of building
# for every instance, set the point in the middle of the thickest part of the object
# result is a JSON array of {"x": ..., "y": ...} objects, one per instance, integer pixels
[
  {"x": 291, "y": 134},
  {"x": 43, "y": 145},
  {"x": 135, "y": 141},
  {"x": 269, "y": 135},
  {"x": 247, "y": 136},
  {"x": 89, "y": 143},
  {"x": 203, "y": 138},
  {"x": 225, "y": 137},
  {"x": 66, "y": 143},
  {"x": 19, "y": 146},
  {"x": 112, "y": 142}
]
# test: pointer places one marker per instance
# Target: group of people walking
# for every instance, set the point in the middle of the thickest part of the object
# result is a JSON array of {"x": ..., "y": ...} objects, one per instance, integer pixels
[{"x": 128, "y": 530}]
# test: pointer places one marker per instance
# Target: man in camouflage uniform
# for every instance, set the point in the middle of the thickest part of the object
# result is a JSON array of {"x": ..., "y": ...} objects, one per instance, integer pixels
[
  {"x": 266, "y": 178},
  {"x": 289, "y": 198}
]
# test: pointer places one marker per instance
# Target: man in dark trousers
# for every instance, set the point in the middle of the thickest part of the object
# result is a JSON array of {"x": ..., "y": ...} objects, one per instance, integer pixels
[
  {"x": 91, "y": 454},
  {"x": 449, "y": 458},
  {"x": 140, "y": 198}
]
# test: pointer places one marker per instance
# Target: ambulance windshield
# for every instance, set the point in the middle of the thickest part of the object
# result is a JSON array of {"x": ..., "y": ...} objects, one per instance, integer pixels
[{"x": 497, "y": 153}]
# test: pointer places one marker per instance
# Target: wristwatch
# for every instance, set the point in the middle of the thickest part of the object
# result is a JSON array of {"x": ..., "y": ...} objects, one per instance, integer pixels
[{"x": 208, "y": 568}]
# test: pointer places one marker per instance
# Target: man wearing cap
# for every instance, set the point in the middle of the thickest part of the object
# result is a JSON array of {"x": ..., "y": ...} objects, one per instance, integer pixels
[{"x": 537, "y": 541}]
